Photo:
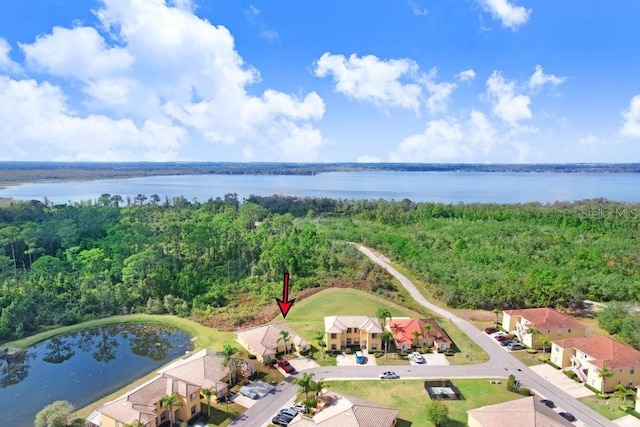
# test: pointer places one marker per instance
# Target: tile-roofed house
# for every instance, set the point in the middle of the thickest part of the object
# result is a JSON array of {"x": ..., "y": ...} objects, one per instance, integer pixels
[
  {"x": 551, "y": 323},
  {"x": 186, "y": 377},
  {"x": 345, "y": 411},
  {"x": 525, "y": 412},
  {"x": 589, "y": 355},
  {"x": 265, "y": 341},
  {"x": 403, "y": 329},
  {"x": 345, "y": 331}
]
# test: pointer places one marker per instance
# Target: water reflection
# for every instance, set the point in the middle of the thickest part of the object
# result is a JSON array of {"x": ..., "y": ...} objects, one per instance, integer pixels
[
  {"x": 15, "y": 369},
  {"x": 83, "y": 367},
  {"x": 59, "y": 350}
]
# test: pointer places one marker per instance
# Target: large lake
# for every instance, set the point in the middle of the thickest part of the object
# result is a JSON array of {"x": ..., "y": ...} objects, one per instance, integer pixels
[
  {"x": 83, "y": 367},
  {"x": 444, "y": 187}
]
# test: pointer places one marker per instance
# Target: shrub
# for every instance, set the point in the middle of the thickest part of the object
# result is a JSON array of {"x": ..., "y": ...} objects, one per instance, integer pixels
[
  {"x": 347, "y": 350},
  {"x": 549, "y": 362},
  {"x": 252, "y": 356},
  {"x": 532, "y": 351},
  {"x": 571, "y": 374},
  {"x": 269, "y": 362},
  {"x": 593, "y": 389},
  {"x": 524, "y": 391}
]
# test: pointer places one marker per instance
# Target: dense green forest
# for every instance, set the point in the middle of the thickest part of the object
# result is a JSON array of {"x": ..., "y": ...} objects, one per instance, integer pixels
[{"x": 64, "y": 263}]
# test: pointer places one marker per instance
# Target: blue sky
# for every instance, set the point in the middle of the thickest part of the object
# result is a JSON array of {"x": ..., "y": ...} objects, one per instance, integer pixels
[{"x": 471, "y": 81}]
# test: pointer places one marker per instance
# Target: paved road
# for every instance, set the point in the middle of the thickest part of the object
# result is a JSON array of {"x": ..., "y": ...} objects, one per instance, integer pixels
[
  {"x": 501, "y": 364},
  {"x": 499, "y": 358}
]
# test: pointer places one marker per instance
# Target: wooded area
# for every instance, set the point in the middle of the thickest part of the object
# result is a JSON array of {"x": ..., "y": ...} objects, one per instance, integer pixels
[{"x": 61, "y": 264}]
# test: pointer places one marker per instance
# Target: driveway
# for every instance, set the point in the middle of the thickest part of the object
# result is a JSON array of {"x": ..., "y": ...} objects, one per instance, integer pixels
[
  {"x": 243, "y": 400},
  {"x": 431, "y": 359},
  {"x": 560, "y": 380},
  {"x": 303, "y": 363},
  {"x": 350, "y": 360}
]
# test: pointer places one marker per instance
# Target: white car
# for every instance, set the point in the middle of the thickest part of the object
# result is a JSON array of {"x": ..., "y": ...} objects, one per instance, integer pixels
[
  {"x": 388, "y": 375},
  {"x": 498, "y": 334},
  {"x": 417, "y": 357}
]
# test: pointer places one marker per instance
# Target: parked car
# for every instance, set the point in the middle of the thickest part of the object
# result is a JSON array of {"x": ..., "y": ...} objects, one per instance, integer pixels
[
  {"x": 289, "y": 412},
  {"x": 499, "y": 334},
  {"x": 505, "y": 343},
  {"x": 417, "y": 357},
  {"x": 548, "y": 403},
  {"x": 501, "y": 338},
  {"x": 360, "y": 359},
  {"x": 388, "y": 375},
  {"x": 567, "y": 416},
  {"x": 286, "y": 366},
  {"x": 299, "y": 407},
  {"x": 281, "y": 420},
  {"x": 249, "y": 392},
  {"x": 490, "y": 330},
  {"x": 515, "y": 346}
]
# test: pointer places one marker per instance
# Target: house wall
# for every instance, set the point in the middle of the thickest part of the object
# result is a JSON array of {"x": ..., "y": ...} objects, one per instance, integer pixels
[
  {"x": 509, "y": 322},
  {"x": 533, "y": 340},
  {"x": 360, "y": 336},
  {"x": 472, "y": 422},
  {"x": 621, "y": 376},
  {"x": 561, "y": 356}
]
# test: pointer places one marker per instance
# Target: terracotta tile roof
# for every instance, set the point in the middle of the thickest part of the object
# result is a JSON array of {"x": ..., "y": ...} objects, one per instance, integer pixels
[
  {"x": 546, "y": 318},
  {"x": 528, "y": 412},
  {"x": 264, "y": 339},
  {"x": 403, "y": 328},
  {"x": 604, "y": 351},
  {"x": 338, "y": 324}
]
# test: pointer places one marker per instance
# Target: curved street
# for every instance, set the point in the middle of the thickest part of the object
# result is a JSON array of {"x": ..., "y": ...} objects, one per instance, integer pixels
[{"x": 500, "y": 364}]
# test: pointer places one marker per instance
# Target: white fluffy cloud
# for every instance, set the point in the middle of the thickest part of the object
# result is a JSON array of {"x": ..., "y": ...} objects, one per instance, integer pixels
[
  {"x": 368, "y": 78},
  {"x": 507, "y": 104},
  {"x": 36, "y": 114},
  {"x": 466, "y": 75},
  {"x": 6, "y": 63},
  {"x": 448, "y": 140},
  {"x": 631, "y": 126},
  {"x": 539, "y": 78},
  {"x": 510, "y": 15},
  {"x": 161, "y": 70}
]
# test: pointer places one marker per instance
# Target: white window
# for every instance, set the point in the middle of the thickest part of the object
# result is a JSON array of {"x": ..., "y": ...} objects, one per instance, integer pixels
[
  {"x": 632, "y": 370},
  {"x": 374, "y": 346},
  {"x": 193, "y": 396}
]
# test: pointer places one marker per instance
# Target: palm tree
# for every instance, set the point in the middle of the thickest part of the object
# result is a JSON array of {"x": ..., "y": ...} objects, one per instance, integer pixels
[
  {"x": 285, "y": 337},
  {"x": 497, "y": 312},
  {"x": 171, "y": 400},
  {"x": 544, "y": 342},
  {"x": 229, "y": 360},
  {"x": 382, "y": 314},
  {"x": 306, "y": 383},
  {"x": 207, "y": 393},
  {"x": 416, "y": 335},
  {"x": 604, "y": 373},
  {"x": 318, "y": 386},
  {"x": 426, "y": 330},
  {"x": 533, "y": 331},
  {"x": 385, "y": 337},
  {"x": 622, "y": 393},
  {"x": 319, "y": 339}
]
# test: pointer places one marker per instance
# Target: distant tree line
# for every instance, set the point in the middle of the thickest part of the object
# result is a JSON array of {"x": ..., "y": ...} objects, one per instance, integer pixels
[{"x": 61, "y": 264}]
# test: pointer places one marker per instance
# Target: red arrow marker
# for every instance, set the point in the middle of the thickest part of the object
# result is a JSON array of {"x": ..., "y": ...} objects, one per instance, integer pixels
[{"x": 284, "y": 303}]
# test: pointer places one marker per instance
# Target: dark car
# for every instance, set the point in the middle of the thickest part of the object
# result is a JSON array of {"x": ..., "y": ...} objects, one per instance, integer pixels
[
  {"x": 505, "y": 343},
  {"x": 288, "y": 412},
  {"x": 502, "y": 338},
  {"x": 281, "y": 420},
  {"x": 490, "y": 330},
  {"x": 567, "y": 416},
  {"x": 548, "y": 403},
  {"x": 286, "y": 366}
]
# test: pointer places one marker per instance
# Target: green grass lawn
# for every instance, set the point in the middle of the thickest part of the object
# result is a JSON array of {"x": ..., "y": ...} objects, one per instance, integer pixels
[
  {"x": 307, "y": 316},
  {"x": 410, "y": 397},
  {"x": 609, "y": 408}
]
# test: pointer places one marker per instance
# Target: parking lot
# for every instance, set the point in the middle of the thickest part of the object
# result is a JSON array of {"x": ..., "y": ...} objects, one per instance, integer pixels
[
  {"x": 260, "y": 387},
  {"x": 350, "y": 360}
]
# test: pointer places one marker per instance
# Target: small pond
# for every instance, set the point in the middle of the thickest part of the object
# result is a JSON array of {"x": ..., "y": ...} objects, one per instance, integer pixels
[{"x": 83, "y": 367}]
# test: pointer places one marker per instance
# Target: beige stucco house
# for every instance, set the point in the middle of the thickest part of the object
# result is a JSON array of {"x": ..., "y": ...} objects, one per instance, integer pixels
[
  {"x": 345, "y": 331},
  {"x": 551, "y": 324},
  {"x": 405, "y": 329},
  {"x": 186, "y": 377},
  {"x": 588, "y": 356},
  {"x": 266, "y": 340}
]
